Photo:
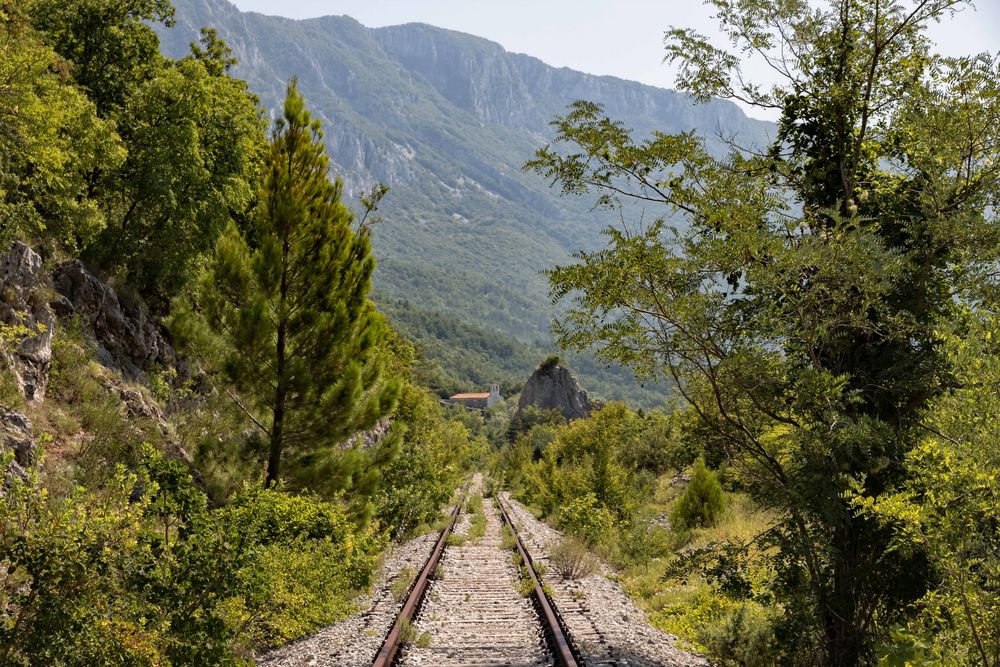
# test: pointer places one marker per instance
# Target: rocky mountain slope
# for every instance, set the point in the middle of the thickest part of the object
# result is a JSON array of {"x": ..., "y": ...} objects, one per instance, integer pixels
[{"x": 448, "y": 120}]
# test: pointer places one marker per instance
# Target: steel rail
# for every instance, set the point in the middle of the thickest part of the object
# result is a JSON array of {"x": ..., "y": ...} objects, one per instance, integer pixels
[
  {"x": 390, "y": 647},
  {"x": 563, "y": 649}
]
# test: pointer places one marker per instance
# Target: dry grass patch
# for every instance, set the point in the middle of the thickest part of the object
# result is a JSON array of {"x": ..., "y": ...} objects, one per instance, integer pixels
[{"x": 571, "y": 559}]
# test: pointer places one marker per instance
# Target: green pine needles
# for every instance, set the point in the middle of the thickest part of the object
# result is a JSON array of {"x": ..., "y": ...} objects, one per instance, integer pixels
[
  {"x": 702, "y": 502},
  {"x": 283, "y": 314}
]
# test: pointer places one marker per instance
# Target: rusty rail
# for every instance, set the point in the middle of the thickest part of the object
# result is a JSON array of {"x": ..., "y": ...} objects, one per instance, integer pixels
[
  {"x": 563, "y": 650},
  {"x": 390, "y": 647}
]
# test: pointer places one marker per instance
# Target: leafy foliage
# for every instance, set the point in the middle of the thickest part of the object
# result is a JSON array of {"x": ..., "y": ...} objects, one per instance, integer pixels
[
  {"x": 793, "y": 293},
  {"x": 141, "y": 572},
  {"x": 161, "y": 153},
  {"x": 110, "y": 552},
  {"x": 195, "y": 139},
  {"x": 51, "y": 140},
  {"x": 949, "y": 506},
  {"x": 592, "y": 475},
  {"x": 109, "y": 43}
]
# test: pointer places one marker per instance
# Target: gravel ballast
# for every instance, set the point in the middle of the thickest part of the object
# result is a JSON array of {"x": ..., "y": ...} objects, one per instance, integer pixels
[{"x": 602, "y": 620}]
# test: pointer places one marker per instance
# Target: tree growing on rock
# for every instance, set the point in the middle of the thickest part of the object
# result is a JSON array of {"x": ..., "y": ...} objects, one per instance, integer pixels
[{"x": 284, "y": 316}]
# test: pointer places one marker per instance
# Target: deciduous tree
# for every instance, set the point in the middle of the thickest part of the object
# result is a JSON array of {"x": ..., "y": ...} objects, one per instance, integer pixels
[
  {"x": 791, "y": 292},
  {"x": 51, "y": 140}
]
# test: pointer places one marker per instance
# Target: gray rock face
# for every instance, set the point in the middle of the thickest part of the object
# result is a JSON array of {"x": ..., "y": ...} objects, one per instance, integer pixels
[
  {"x": 128, "y": 338},
  {"x": 22, "y": 304},
  {"x": 553, "y": 387},
  {"x": 373, "y": 436},
  {"x": 16, "y": 436}
]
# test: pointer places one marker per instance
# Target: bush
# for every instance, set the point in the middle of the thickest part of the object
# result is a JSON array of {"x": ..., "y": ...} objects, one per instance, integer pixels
[
  {"x": 586, "y": 519},
  {"x": 310, "y": 562},
  {"x": 702, "y": 501},
  {"x": 731, "y": 632},
  {"x": 141, "y": 572},
  {"x": 132, "y": 574},
  {"x": 644, "y": 541},
  {"x": 571, "y": 559},
  {"x": 743, "y": 638}
]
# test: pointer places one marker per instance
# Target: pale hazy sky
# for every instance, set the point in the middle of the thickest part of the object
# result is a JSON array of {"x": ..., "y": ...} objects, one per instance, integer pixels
[{"x": 619, "y": 37}]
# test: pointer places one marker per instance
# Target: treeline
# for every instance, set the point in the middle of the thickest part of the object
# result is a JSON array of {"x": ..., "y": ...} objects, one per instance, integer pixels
[{"x": 242, "y": 498}]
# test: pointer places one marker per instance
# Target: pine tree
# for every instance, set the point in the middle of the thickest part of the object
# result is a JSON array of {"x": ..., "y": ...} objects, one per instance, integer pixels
[
  {"x": 702, "y": 501},
  {"x": 284, "y": 316}
]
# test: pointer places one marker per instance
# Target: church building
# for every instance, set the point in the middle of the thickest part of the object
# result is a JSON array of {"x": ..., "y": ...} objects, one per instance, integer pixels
[{"x": 479, "y": 401}]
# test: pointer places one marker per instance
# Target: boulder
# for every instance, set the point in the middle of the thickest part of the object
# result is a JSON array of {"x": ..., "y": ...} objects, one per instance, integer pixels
[
  {"x": 553, "y": 387},
  {"x": 128, "y": 338},
  {"x": 22, "y": 305},
  {"x": 16, "y": 436},
  {"x": 373, "y": 436}
]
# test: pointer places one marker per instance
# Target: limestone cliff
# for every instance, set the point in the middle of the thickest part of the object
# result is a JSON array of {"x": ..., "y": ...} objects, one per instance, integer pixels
[{"x": 553, "y": 387}]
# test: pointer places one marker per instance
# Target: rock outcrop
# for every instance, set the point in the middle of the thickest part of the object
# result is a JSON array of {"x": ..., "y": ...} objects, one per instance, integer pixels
[
  {"x": 553, "y": 387},
  {"x": 16, "y": 436},
  {"x": 28, "y": 318},
  {"x": 128, "y": 338}
]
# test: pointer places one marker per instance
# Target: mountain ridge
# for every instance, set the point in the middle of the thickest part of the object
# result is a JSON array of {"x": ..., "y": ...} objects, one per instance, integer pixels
[{"x": 448, "y": 120}]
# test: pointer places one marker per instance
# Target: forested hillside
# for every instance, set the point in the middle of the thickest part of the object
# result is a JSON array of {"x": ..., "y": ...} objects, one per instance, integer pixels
[{"x": 448, "y": 120}]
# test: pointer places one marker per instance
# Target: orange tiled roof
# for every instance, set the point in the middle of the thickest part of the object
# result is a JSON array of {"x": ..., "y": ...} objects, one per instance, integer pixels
[{"x": 486, "y": 395}]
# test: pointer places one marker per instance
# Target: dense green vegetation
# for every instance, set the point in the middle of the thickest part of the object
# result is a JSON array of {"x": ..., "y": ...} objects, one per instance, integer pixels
[
  {"x": 189, "y": 138},
  {"x": 805, "y": 309},
  {"x": 615, "y": 484},
  {"x": 823, "y": 490},
  {"x": 241, "y": 498}
]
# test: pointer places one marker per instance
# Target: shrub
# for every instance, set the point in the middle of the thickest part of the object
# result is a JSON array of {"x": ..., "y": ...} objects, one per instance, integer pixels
[
  {"x": 586, "y": 519},
  {"x": 702, "y": 501},
  {"x": 134, "y": 574},
  {"x": 744, "y": 637},
  {"x": 310, "y": 562},
  {"x": 732, "y": 632},
  {"x": 644, "y": 541},
  {"x": 571, "y": 559},
  {"x": 141, "y": 572}
]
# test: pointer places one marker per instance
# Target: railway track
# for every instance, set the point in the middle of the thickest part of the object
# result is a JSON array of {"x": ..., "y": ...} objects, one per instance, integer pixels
[
  {"x": 481, "y": 604},
  {"x": 477, "y": 600}
]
